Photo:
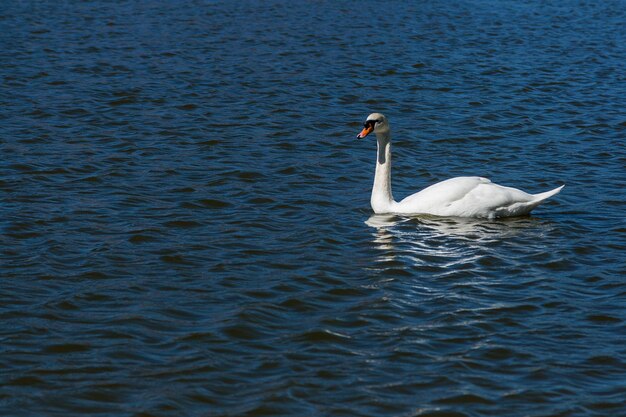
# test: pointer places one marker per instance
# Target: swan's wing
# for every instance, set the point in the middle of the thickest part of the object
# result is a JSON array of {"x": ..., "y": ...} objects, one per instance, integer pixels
[
  {"x": 493, "y": 200},
  {"x": 441, "y": 195},
  {"x": 469, "y": 197}
]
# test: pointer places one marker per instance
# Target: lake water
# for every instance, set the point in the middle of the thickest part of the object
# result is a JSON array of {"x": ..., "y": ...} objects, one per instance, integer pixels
[{"x": 185, "y": 220}]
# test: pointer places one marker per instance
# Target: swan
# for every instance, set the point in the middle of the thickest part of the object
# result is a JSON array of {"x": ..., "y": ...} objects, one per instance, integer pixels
[{"x": 455, "y": 197}]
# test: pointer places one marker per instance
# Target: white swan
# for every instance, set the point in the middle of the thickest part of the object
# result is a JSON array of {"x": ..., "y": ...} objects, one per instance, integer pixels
[{"x": 456, "y": 197}]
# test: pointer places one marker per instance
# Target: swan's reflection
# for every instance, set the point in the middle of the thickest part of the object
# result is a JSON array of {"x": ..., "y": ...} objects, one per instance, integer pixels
[
  {"x": 446, "y": 242},
  {"x": 383, "y": 238},
  {"x": 474, "y": 229}
]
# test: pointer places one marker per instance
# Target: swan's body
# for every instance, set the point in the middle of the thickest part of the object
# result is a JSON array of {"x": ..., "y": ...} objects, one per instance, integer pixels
[{"x": 456, "y": 197}]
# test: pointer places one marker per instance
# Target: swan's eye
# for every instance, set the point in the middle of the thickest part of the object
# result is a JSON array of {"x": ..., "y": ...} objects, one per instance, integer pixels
[{"x": 379, "y": 121}]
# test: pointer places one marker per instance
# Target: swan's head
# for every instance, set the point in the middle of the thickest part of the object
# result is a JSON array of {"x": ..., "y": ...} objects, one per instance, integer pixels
[{"x": 376, "y": 123}]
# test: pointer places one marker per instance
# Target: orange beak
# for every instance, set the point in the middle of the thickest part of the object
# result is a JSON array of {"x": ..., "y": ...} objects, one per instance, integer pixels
[{"x": 366, "y": 131}]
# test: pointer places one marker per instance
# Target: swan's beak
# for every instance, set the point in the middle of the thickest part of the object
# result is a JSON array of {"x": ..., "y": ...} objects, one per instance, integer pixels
[{"x": 366, "y": 131}]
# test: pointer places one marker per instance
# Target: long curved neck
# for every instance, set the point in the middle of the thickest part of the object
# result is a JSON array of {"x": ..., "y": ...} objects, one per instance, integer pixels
[{"x": 382, "y": 198}]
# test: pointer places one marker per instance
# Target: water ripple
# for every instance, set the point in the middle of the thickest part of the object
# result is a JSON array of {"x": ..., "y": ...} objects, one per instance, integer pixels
[{"x": 186, "y": 226}]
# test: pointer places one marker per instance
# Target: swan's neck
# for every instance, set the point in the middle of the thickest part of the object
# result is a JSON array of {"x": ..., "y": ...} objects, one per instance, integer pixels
[{"x": 382, "y": 198}]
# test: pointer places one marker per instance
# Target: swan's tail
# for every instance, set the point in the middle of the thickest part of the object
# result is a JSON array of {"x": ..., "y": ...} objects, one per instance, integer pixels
[
  {"x": 541, "y": 197},
  {"x": 523, "y": 208},
  {"x": 538, "y": 198}
]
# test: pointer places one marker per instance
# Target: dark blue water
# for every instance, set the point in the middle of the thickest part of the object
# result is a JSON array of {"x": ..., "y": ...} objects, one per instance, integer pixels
[{"x": 185, "y": 221}]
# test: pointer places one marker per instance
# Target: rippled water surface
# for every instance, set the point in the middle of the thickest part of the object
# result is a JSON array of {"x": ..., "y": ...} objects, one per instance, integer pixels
[{"x": 185, "y": 220}]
